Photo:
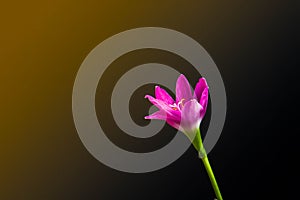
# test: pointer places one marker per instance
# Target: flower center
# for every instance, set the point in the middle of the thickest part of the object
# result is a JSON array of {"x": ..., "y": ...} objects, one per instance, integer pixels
[{"x": 178, "y": 106}]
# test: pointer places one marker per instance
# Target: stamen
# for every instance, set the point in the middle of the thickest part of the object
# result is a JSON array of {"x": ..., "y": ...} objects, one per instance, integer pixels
[
  {"x": 181, "y": 102},
  {"x": 174, "y": 106},
  {"x": 178, "y": 106}
]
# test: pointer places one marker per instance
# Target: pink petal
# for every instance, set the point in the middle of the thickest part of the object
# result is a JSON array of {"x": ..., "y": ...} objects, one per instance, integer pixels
[
  {"x": 200, "y": 86},
  {"x": 157, "y": 115},
  {"x": 203, "y": 102},
  {"x": 162, "y": 94},
  {"x": 161, "y": 115},
  {"x": 190, "y": 116},
  {"x": 158, "y": 103},
  {"x": 183, "y": 89},
  {"x": 174, "y": 114}
]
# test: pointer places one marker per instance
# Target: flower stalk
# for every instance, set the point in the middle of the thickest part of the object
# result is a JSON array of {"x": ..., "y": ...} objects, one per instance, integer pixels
[{"x": 202, "y": 154}]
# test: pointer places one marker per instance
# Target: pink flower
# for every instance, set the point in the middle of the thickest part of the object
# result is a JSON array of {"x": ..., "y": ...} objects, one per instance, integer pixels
[{"x": 187, "y": 112}]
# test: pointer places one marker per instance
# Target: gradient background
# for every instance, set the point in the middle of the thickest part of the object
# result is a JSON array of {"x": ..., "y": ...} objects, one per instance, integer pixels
[{"x": 43, "y": 43}]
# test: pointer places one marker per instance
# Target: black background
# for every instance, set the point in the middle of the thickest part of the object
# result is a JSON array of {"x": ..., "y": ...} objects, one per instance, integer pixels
[{"x": 255, "y": 46}]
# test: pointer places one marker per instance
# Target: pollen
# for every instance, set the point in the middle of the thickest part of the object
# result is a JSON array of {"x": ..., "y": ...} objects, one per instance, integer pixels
[{"x": 174, "y": 106}]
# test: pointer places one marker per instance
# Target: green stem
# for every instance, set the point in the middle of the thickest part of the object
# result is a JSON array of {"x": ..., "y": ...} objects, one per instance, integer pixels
[
  {"x": 202, "y": 154},
  {"x": 212, "y": 178}
]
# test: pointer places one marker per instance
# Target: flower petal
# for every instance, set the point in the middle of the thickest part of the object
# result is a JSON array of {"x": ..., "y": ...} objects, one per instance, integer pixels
[
  {"x": 174, "y": 114},
  {"x": 200, "y": 86},
  {"x": 157, "y": 115},
  {"x": 158, "y": 103},
  {"x": 190, "y": 116},
  {"x": 161, "y": 115},
  {"x": 183, "y": 89},
  {"x": 162, "y": 94},
  {"x": 203, "y": 102}
]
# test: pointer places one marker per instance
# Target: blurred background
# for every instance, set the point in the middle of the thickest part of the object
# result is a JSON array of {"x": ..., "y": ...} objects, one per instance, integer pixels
[{"x": 43, "y": 43}]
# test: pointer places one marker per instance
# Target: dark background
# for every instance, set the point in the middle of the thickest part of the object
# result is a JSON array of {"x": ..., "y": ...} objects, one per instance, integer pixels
[{"x": 43, "y": 43}]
